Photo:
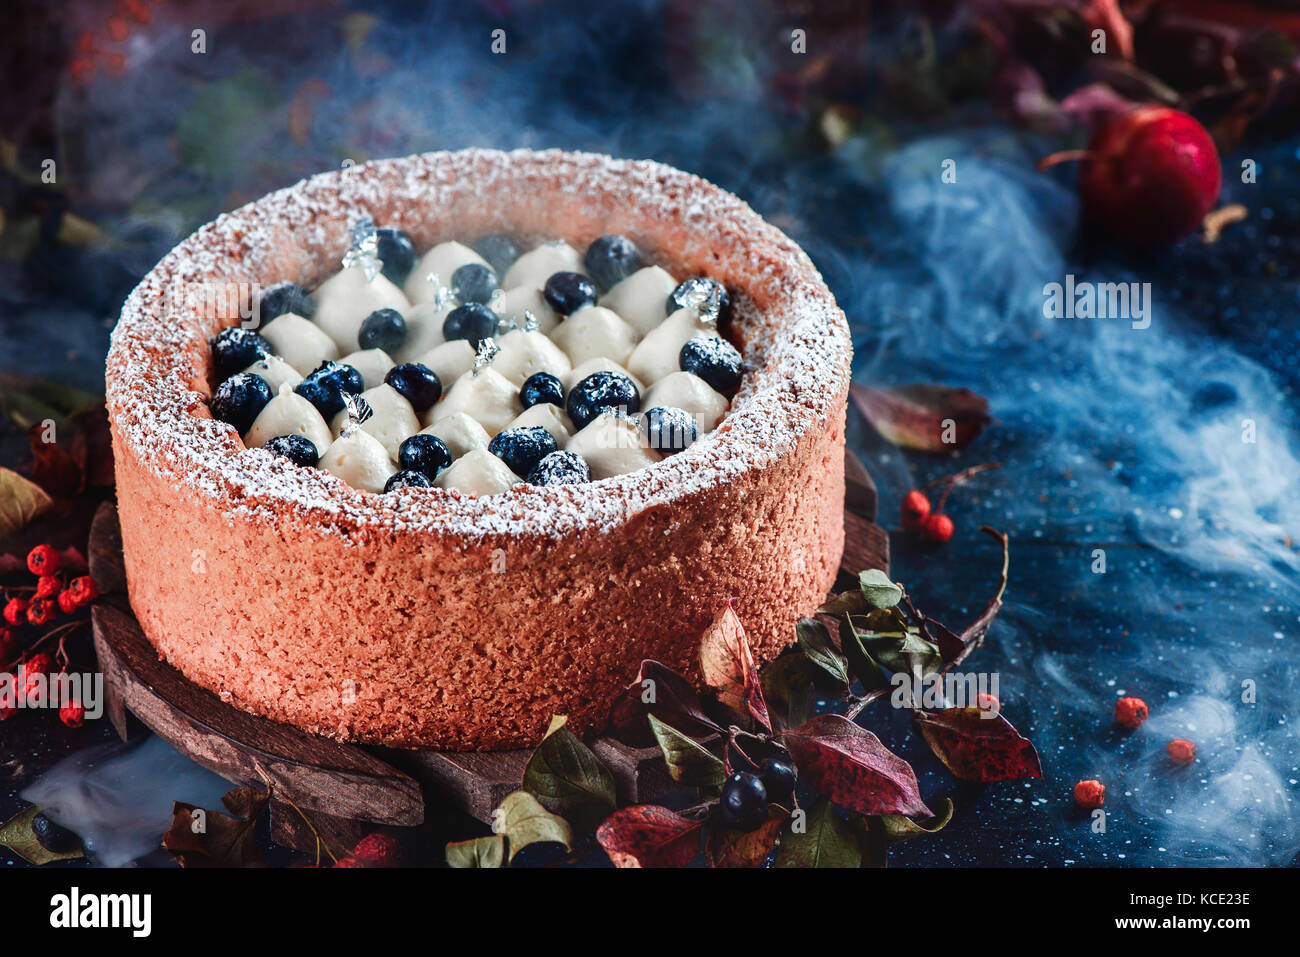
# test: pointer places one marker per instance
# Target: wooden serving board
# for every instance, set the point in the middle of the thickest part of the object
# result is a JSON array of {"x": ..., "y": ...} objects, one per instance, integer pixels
[{"x": 348, "y": 790}]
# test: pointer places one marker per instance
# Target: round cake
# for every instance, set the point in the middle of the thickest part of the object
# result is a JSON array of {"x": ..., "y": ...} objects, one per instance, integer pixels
[{"x": 433, "y": 616}]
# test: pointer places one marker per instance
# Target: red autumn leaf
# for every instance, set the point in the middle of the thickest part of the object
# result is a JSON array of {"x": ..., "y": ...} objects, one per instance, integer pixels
[
  {"x": 933, "y": 418},
  {"x": 850, "y": 766},
  {"x": 647, "y": 835},
  {"x": 727, "y": 664},
  {"x": 672, "y": 700},
  {"x": 727, "y": 848},
  {"x": 978, "y": 746}
]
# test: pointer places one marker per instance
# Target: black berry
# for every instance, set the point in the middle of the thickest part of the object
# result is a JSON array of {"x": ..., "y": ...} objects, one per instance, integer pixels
[
  {"x": 325, "y": 385},
  {"x": 541, "y": 387},
  {"x": 55, "y": 838},
  {"x": 407, "y": 479},
  {"x": 744, "y": 801},
  {"x": 693, "y": 291},
  {"x": 284, "y": 297},
  {"x": 239, "y": 399},
  {"x": 499, "y": 250},
  {"x": 473, "y": 321},
  {"x": 668, "y": 430},
  {"x": 567, "y": 292},
  {"x": 560, "y": 468},
  {"x": 424, "y": 453},
  {"x": 235, "y": 349},
  {"x": 611, "y": 259},
  {"x": 473, "y": 282},
  {"x": 397, "y": 253},
  {"x": 601, "y": 390},
  {"x": 713, "y": 359},
  {"x": 521, "y": 449},
  {"x": 382, "y": 329},
  {"x": 417, "y": 383},
  {"x": 298, "y": 449},
  {"x": 778, "y": 778}
]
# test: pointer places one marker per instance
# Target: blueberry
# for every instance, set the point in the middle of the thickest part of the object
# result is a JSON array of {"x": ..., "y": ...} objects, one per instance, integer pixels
[
  {"x": 560, "y": 468},
  {"x": 382, "y": 329},
  {"x": 610, "y": 259},
  {"x": 541, "y": 387},
  {"x": 396, "y": 252},
  {"x": 778, "y": 778},
  {"x": 407, "y": 479},
  {"x": 521, "y": 449},
  {"x": 473, "y": 321},
  {"x": 744, "y": 801},
  {"x": 688, "y": 291},
  {"x": 417, "y": 383},
  {"x": 668, "y": 430},
  {"x": 55, "y": 838},
  {"x": 284, "y": 297},
  {"x": 424, "y": 453},
  {"x": 239, "y": 399},
  {"x": 567, "y": 292},
  {"x": 234, "y": 350},
  {"x": 499, "y": 250},
  {"x": 473, "y": 282},
  {"x": 601, "y": 390},
  {"x": 298, "y": 449},
  {"x": 713, "y": 359},
  {"x": 325, "y": 386}
]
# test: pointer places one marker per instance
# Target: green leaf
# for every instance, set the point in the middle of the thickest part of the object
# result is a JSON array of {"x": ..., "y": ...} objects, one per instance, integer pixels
[
  {"x": 523, "y": 821},
  {"x": 816, "y": 643},
  {"x": 863, "y": 667},
  {"x": 822, "y": 839},
  {"x": 899, "y": 828},
  {"x": 27, "y": 400},
  {"x": 903, "y": 651},
  {"x": 689, "y": 762},
  {"x": 569, "y": 780},
  {"x": 480, "y": 852},
  {"x": 878, "y": 590},
  {"x": 789, "y": 690},
  {"x": 849, "y": 602},
  {"x": 20, "y": 502},
  {"x": 17, "y": 835}
]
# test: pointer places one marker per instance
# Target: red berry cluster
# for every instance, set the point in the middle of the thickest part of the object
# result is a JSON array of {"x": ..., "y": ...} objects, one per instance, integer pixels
[
  {"x": 930, "y": 522},
  {"x": 49, "y": 598},
  {"x": 373, "y": 850}
]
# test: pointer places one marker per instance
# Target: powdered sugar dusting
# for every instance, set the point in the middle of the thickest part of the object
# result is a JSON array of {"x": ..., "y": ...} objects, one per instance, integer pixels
[{"x": 793, "y": 338}]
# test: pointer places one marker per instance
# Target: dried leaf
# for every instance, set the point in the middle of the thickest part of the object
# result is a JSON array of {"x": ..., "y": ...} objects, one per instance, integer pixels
[
  {"x": 728, "y": 848},
  {"x": 523, "y": 821},
  {"x": 899, "y": 828},
  {"x": 569, "y": 780},
  {"x": 815, "y": 640},
  {"x": 647, "y": 835},
  {"x": 825, "y": 840},
  {"x": 480, "y": 852},
  {"x": 789, "y": 689},
  {"x": 727, "y": 664},
  {"x": 878, "y": 589},
  {"x": 850, "y": 766},
  {"x": 660, "y": 691},
  {"x": 20, "y": 502},
  {"x": 977, "y": 745},
  {"x": 203, "y": 838},
  {"x": 17, "y": 835},
  {"x": 923, "y": 416},
  {"x": 689, "y": 763}
]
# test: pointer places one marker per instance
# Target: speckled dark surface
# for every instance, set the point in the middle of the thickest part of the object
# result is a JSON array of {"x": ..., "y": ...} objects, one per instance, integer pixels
[{"x": 1114, "y": 438}]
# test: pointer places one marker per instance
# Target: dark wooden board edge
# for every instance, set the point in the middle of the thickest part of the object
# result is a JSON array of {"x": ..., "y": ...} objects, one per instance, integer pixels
[{"x": 330, "y": 778}]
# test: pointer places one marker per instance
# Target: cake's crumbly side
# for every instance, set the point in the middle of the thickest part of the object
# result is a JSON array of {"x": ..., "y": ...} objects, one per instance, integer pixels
[{"x": 426, "y": 618}]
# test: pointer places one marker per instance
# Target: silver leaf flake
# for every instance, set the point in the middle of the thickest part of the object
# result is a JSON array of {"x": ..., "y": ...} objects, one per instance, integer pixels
[
  {"x": 364, "y": 248},
  {"x": 441, "y": 293},
  {"x": 358, "y": 410},
  {"x": 487, "y": 351},
  {"x": 530, "y": 321},
  {"x": 706, "y": 300}
]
